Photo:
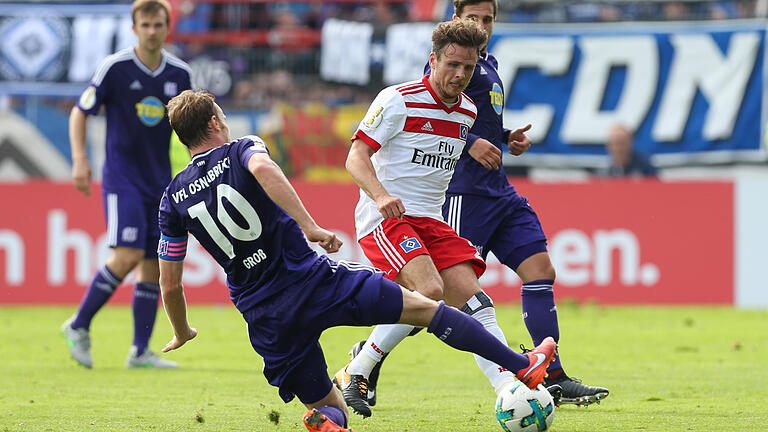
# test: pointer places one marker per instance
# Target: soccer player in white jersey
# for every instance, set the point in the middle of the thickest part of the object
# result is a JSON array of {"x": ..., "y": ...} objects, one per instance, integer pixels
[{"x": 403, "y": 155}]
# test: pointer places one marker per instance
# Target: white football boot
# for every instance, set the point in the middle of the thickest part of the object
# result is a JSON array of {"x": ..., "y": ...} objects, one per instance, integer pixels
[
  {"x": 147, "y": 360},
  {"x": 79, "y": 343}
]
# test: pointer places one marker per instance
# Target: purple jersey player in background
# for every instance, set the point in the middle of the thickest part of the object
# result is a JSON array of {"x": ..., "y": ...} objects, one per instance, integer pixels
[
  {"x": 483, "y": 207},
  {"x": 238, "y": 204},
  {"x": 133, "y": 85}
]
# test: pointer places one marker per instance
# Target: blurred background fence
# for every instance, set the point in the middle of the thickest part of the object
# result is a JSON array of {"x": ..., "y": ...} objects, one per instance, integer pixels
[{"x": 687, "y": 77}]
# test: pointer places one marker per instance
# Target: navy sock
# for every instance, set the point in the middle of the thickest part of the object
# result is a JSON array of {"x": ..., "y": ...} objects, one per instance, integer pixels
[
  {"x": 464, "y": 333},
  {"x": 102, "y": 287},
  {"x": 145, "y": 297},
  {"x": 540, "y": 313},
  {"x": 335, "y": 414}
]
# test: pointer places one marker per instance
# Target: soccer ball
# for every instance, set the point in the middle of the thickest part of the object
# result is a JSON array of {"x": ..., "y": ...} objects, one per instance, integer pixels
[{"x": 519, "y": 408}]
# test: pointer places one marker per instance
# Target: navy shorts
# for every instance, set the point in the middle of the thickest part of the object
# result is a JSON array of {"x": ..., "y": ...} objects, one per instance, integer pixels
[
  {"x": 131, "y": 221},
  {"x": 506, "y": 226},
  {"x": 285, "y": 328}
]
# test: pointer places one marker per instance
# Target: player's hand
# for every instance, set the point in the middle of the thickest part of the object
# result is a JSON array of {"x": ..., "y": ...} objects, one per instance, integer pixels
[
  {"x": 179, "y": 340},
  {"x": 390, "y": 207},
  {"x": 81, "y": 174},
  {"x": 326, "y": 239},
  {"x": 519, "y": 142},
  {"x": 486, "y": 153}
]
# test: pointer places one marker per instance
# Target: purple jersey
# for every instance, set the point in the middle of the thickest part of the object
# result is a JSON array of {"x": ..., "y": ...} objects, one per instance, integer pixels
[
  {"x": 487, "y": 91},
  {"x": 218, "y": 200},
  {"x": 138, "y": 132}
]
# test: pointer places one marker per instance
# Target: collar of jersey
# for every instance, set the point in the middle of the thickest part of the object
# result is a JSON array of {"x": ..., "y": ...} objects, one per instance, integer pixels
[
  {"x": 203, "y": 154},
  {"x": 439, "y": 102},
  {"x": 144, "y": 68}
]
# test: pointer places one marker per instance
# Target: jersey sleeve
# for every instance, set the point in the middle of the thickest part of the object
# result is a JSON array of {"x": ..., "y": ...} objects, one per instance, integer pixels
[
  {"x": 96, "y": 93},
  {"x": 247, "y": 147},
  {"x": 385, "y": 118},
  {"x": 173, "y": 236},
  {"x": 186, "y": 82}
]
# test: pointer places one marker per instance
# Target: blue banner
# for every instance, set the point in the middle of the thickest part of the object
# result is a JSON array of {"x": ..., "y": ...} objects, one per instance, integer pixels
[{"x": 691, "y": 92}]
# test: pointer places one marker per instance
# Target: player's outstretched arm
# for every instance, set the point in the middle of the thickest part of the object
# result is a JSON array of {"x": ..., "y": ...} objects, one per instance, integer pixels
[
  {"x": 361, "y": 169},
  {"x": 81, "y": 168},
  {"x": 276, "y": 185},
  {"x": 175, "y": 303}
]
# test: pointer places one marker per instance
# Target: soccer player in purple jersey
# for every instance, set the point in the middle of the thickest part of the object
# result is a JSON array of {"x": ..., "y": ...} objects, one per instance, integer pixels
[
  {"x": 238, "y": 204},
  {"x": 483, "y": 207},
  {"x": 133, "y": 85}
]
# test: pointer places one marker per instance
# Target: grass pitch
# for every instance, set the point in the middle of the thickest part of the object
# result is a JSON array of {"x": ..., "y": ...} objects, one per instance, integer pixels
[{"x": 668, "y": 369}]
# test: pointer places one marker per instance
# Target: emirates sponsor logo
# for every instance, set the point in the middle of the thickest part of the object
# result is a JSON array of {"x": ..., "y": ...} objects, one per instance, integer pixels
[{"x": 434, "y": 160}]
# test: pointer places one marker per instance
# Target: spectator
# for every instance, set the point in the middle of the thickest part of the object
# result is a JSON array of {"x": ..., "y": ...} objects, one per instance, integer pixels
[
  {"x": 624, "y": 160},
  {"x": 675, "y": 11}
]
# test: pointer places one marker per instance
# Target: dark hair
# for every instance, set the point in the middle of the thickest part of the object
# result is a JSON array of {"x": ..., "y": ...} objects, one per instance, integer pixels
[
  {"x": 189, "y": 113},
  {"x": 461, "y": 33},
  {"x": 151, "y": 7},
  {"x": 459, "y": 5}
]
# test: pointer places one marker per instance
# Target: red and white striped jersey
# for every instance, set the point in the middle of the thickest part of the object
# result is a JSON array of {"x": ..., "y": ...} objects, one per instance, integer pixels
[{"x": 418, "y": 140}]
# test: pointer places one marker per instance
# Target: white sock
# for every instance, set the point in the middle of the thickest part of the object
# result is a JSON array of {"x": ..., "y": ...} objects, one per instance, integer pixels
[
  {"x": 382, "y": 340},
  {"x": 497, "y": 375}
]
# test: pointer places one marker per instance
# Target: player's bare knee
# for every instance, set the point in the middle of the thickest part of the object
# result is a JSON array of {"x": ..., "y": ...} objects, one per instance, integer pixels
[
  {"x": 130, "y": 259},
  {"x": 536, "y": 267},
  {"x": 547, "y": 272},
  {"x": 552, "y": 273},
  {"x": 432, "y": 290},
  {"x": 123, "y": 260}
]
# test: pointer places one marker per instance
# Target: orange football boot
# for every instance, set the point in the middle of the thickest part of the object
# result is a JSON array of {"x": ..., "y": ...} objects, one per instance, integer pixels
[
  {"x": 315, "y": 421},
  {"x": 539, "y": 358}
]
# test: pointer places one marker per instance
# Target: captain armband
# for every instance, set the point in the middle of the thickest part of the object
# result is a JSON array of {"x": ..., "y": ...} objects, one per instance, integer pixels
[{"x": 172, "y": 248}]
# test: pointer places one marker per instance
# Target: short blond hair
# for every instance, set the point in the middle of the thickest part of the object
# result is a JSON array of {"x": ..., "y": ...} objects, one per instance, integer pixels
[
  {"x": 151, "y": 7},
  {"x": 189, "y": 113}
]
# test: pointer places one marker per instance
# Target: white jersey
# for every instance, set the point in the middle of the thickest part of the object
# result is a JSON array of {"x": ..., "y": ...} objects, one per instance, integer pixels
[{"x": 418, "y": 141}]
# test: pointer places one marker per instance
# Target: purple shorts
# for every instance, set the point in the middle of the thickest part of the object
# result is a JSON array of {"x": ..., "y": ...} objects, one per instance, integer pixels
[
  {"x": 506, "y": 226},
  {"x": 285, "y": 328},
  {"x": 131, "y": 221}
]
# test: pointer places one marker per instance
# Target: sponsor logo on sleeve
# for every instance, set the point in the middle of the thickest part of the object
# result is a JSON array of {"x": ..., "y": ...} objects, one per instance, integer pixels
[
  {"x": 88, "y": 98},
  {"x": 373, "y": 118},
  {"x": 258, "y": 144}
]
